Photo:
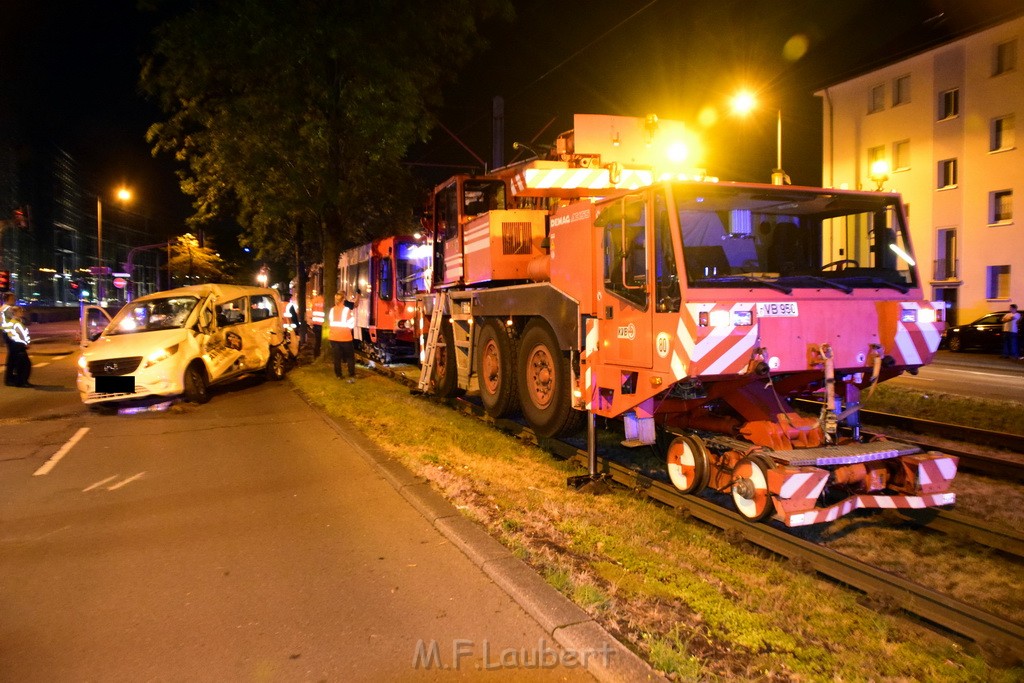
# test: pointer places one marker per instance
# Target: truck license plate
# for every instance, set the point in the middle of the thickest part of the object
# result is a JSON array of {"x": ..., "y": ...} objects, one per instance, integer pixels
[{"x": 777, "y": 309}]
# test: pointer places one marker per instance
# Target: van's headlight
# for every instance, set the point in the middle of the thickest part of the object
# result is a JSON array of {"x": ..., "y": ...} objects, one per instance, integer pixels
[
  {"x": 83, "y": 364},
  {"x": 157, "y": 356}
]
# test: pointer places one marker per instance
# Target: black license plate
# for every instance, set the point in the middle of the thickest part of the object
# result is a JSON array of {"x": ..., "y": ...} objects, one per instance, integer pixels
[{"x": 115, "y": 385}]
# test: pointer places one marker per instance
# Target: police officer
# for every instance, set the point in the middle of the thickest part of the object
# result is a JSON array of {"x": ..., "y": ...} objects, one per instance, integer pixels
[
  {"x": 18, "y": 364},
  {"x": 6, "y": 322}
]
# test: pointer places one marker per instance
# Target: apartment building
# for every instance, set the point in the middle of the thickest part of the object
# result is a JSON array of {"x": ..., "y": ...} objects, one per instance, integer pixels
[{"x": 939, "y": 127}]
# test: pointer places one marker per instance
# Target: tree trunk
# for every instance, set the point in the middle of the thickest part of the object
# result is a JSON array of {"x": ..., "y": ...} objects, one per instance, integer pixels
[{"x": 331, "y": 243}]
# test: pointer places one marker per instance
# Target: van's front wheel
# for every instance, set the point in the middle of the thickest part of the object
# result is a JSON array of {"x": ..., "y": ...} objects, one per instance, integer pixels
[
  {"x": 276, "y": 365},
  {"x": 196, "y": 388}
]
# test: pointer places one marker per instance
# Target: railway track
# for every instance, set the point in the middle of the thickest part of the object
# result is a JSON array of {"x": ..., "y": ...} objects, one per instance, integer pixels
[{"x": 986, "y": 629}]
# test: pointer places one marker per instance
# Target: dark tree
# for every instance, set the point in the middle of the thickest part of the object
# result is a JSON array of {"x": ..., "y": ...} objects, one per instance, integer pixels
[{"x": 295, "y": 115}]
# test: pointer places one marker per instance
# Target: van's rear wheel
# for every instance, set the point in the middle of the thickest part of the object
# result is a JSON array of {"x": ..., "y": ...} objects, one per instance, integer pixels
[
  {"x": 545, "y": 392},
  {"x": 196, "y": 388},
  {"x": 496, "y": 370}
]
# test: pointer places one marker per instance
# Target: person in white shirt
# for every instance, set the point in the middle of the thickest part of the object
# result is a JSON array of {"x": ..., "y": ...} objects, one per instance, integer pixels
[{"x": 1011, "y": 333}]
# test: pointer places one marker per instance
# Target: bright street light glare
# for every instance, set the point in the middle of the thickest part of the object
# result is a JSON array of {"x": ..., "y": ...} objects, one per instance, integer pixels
[
  {"x": 124, "y": 194},
  {"x": 744, "y": 102}
]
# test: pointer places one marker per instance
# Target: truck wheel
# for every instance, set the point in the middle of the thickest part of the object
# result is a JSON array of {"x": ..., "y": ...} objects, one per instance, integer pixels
[
  {"x": 446, "y": 374},
  {"x": 496, "y": 370},
  {"x": 196, "y": 389},
  {"x": 545, "y": 394},
  {"x": 276, "y": 365}
]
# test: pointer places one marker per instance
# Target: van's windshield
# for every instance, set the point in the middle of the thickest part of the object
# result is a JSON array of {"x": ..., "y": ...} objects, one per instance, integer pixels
[{"x": 153, "y": 314}]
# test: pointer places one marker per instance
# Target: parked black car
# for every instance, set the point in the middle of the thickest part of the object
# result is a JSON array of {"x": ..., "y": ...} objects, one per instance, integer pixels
[{"x": 985, "y": 334}]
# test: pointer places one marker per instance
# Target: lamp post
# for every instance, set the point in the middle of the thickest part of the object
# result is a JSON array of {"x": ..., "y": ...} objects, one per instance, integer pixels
[
  {"x": 124, "y": 195},
  {"x": 743, "y": 103}
]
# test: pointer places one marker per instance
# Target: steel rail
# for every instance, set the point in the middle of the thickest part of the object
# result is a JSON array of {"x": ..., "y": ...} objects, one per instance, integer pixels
[
  {"x": 982, "y": 532},
  {"x": 986, "y": 437}
]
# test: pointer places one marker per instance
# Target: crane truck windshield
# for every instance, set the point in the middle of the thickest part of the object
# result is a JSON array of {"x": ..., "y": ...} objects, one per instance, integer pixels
[{"x": 735, "y": 237}]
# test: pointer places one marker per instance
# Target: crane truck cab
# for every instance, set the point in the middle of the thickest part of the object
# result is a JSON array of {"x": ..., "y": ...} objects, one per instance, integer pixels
[{"x": 180, "y": 342}]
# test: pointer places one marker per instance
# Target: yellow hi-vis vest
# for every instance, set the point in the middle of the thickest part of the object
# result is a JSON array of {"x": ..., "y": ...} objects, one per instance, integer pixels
[
  {"x": 342, "y": 322},
  {"x": 315, "y": 311}
]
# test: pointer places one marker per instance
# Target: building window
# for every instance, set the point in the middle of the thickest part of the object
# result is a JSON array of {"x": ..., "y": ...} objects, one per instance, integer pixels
[
  {"x": 945, "y": 256},
  {"x": 875, "y": 154},
  {"x": 901, "y": 155},
  {"x": 949, "y": 104},
  {"x": 1004, "y": 57},
  {"x": 1002, "y": 134},
  {"x": 1000, "y": 206},
  {"x": 901, "y": 90},
  {"x": 876, "y": 99},
  {"x": 947, "y": 173},
  {"x": 998, "y": 285}
]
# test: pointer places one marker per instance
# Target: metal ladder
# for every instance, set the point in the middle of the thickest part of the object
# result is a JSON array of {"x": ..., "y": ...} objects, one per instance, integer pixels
[{"x": 426, "y": 369}]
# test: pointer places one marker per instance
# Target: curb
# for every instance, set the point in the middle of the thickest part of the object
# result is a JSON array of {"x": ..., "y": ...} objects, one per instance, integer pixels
[{"x": 607, "y": 659}]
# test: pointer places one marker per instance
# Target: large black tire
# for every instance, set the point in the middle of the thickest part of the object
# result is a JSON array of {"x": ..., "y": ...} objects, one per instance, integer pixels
[
  {"x": 276, "y": 365},
  {"x": 496, "y": 370},
  {"x": 955, "y": 344},
  {"x": 446, "y": 374},
  {"x": 543, "y": 379},
  {"x": 196, "y": 387}
]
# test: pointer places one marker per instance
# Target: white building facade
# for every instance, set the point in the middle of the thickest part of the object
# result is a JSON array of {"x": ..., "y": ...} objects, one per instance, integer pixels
[{"x": 943, "y": 121}]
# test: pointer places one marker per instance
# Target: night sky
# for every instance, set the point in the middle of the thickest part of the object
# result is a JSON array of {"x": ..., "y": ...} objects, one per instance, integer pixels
[{"x": 69, "y": 73}]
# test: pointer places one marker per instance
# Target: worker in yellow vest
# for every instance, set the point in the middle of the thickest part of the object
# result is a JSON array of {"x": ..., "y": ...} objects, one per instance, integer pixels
[
  {"x": 315, "y": 320},
  {"x": 342, "y": 323}
]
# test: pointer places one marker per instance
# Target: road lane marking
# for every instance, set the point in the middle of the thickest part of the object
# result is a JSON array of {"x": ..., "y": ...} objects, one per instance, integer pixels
[
  {"x": 125, "y": 482},
  {"x": 55, "y": 458},
  {"x": 100, "y": 483}
]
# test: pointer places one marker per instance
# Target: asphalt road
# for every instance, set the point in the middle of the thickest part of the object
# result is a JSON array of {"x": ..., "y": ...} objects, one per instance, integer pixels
[
  {"x": 238, "y": 540},
  {"x": 974, "y": 375}
]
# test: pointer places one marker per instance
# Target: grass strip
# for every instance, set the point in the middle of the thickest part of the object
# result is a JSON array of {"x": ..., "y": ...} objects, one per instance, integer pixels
[{"x": 696, "y": 605}]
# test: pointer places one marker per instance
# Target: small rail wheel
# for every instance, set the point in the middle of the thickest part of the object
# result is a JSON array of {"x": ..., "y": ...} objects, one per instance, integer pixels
[
  {"x": 750, "y": 488},
  {"x": 496, "y": 365},
  {"x": 688, "y": 464}
]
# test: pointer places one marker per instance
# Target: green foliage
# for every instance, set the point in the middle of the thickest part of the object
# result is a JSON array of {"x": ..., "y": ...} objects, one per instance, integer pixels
[
  {"x": 295, "y": 117},
  {"x": 191, "y": 263}
]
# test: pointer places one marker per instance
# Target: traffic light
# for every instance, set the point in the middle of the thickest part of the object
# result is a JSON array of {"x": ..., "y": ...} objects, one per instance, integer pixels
[
  {"x": 5, "y": 280},
  {"x": 20, "y": 217}
]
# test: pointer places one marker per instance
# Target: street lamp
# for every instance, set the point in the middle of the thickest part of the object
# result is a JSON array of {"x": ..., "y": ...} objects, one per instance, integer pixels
[
  {"x": 745, "y": 102},
  {"x": 879, "y": 173},
  {"x": 124, "y": 195}
]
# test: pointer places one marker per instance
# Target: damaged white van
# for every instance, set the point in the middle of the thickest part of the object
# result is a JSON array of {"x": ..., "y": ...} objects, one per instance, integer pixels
[{"x": 182, "y": 341}]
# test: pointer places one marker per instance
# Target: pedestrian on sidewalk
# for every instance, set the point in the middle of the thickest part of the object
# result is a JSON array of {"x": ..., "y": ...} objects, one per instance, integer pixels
[
  {"x": 1011, "y": 332},
  {"x": 5, "y": 324},
  {"x": 342, "y": 323},
  {"x": 18, "y": 363}
]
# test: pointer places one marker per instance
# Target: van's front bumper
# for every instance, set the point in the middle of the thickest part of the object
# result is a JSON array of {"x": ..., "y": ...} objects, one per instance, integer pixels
[{"x": 146, "y": 384}]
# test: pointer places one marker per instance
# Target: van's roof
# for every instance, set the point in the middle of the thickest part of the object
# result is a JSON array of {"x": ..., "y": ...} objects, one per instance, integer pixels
[{"x": 222, "y": 292}]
